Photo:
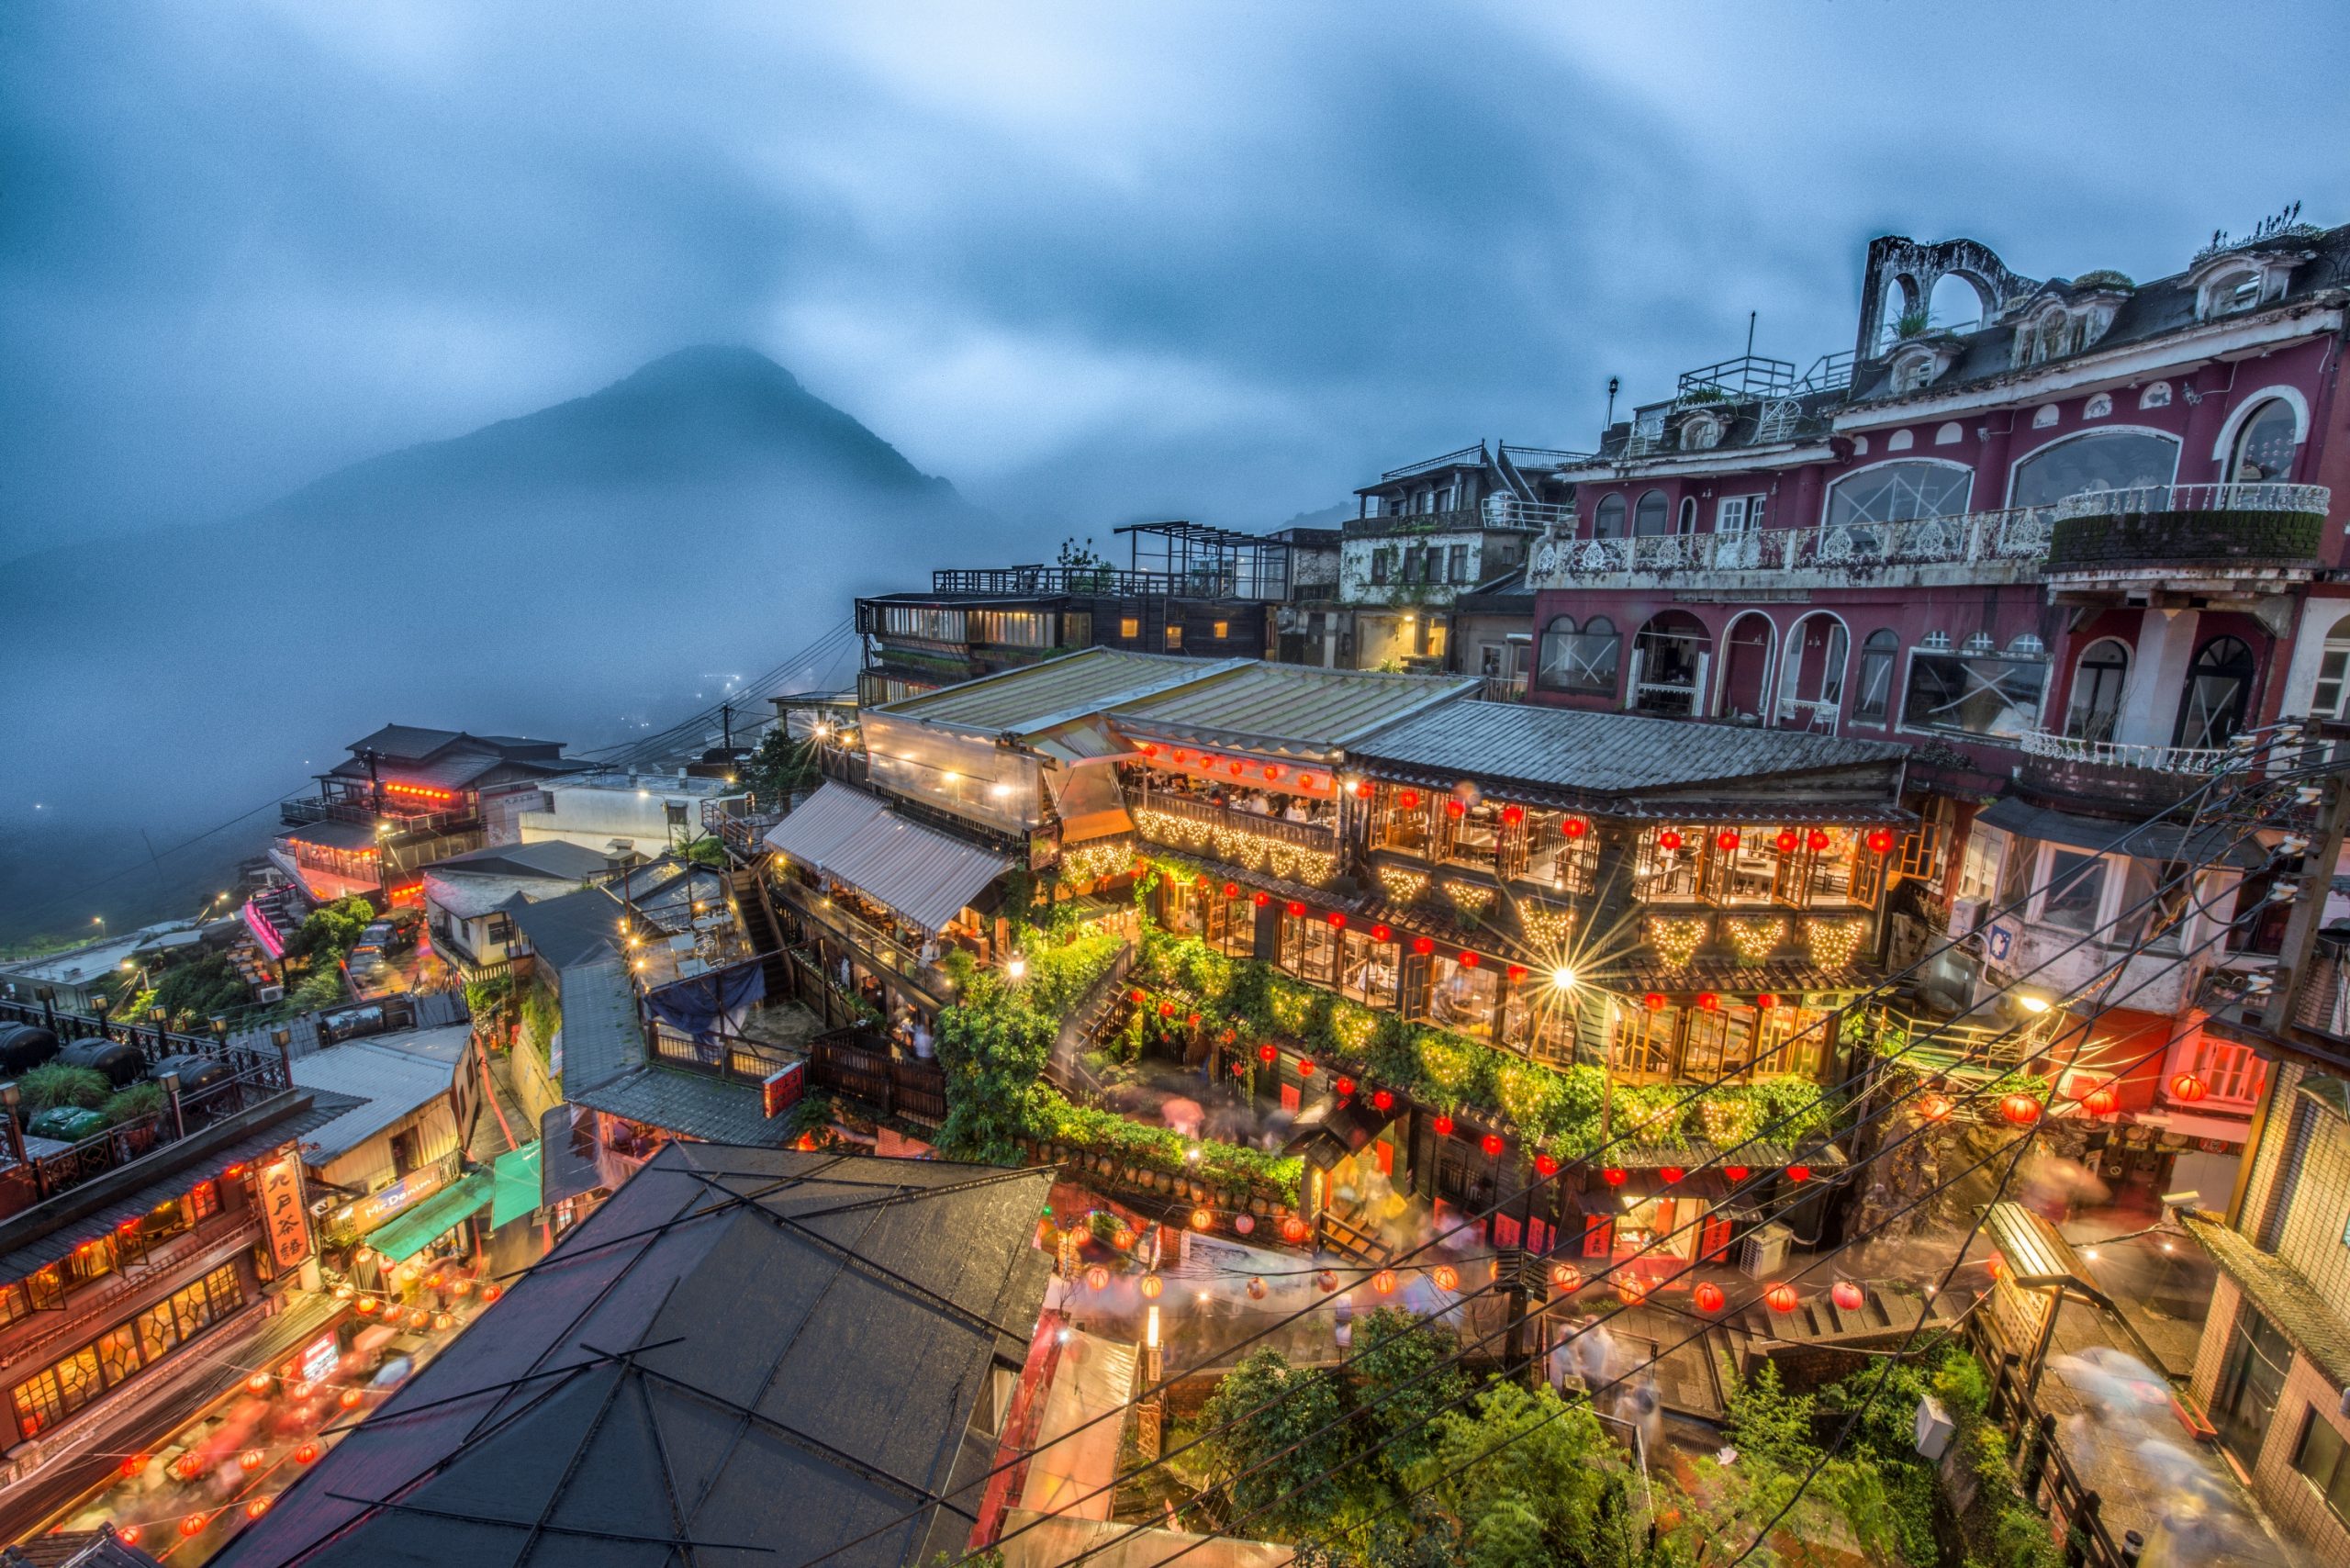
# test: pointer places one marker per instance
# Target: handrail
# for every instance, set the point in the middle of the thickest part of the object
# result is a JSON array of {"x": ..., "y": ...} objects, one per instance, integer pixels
[
  {"x": 1449, "y": 460},
  {"x": 1303, "y": 835},
  {"x": 2315, "y": 499},
  {"x": 2055, "y": 747}
]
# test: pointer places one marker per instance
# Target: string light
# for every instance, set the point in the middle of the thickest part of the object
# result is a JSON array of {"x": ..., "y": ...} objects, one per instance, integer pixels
[
  {"x": 1755, "y": 936},
  {"x": 1403, "y": 886},
  {"x": 1547, "y": 929},
  {"x": 1470, "y": 898},
  {"x": 1675, "y": 938},
  {"x": 1833, "y": 942},
  {"x": 1091, "y": 862},
  {"x": 1239, "y": 846}
]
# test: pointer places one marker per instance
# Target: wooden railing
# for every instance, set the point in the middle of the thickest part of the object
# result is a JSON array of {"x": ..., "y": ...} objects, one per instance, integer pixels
[
  {"x": 2044, "y": 1474},
  {"x": 1303, "y": 835},
  {"x": 858, "y": 1062}
]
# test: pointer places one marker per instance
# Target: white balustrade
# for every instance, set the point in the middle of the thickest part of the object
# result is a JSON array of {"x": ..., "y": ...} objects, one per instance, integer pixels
[
  {"x": 2056, "y": 747},
  {"x": 2314, "y": 498}
]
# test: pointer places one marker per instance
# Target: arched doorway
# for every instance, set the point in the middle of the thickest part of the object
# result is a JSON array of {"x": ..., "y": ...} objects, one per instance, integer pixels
[
  {"x": 2097, "y": 682},
  {"x": 2219, "y": 694},
  {"x": 1669, "y": 661},
  {"x": 1811, "y": 687},
  {"x": 1746, "y": 666},
  {"x": 2263, "y": 449}
]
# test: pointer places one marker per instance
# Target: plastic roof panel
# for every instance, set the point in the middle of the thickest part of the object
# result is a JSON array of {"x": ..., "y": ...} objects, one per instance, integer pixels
[{"x": 921, "y": 875}]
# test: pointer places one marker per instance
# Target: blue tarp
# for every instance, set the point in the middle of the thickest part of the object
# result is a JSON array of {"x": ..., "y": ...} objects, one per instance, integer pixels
[{"x": 710, "y": 1006}]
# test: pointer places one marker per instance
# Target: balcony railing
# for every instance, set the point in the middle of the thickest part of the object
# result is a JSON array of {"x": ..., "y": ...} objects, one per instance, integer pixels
[
  {"x": 1466, "y": 454},
  {"x": 2017, "y": 537},
  {"x": 309, "y": 808},
  {"x": 1300, "y": 836},
  {"x": 2053, "y": 747},
  {"x": 2313, "y": 498},
  {"x": 1100, "y": 582}
]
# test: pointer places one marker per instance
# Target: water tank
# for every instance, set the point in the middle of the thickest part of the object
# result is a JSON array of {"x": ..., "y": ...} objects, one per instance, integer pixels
[
  {"x": 24, "y": 1046},
  {"x": 197, "y": 1070},
  {"x": 118, "y": 1059}
]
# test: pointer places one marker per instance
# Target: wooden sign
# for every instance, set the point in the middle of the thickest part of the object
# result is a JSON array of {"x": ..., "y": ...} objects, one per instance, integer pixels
[{"x": 282, "y": 1215}]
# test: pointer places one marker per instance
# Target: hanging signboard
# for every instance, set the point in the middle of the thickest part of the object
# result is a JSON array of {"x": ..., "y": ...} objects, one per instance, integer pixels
[
  {"x": 780, "y": 1090},
  {"x": 281, "y": 1206}
]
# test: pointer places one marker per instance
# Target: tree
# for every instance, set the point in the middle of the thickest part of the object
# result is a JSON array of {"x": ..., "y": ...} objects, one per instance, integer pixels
[
  {"x": 1402, "y": 1387},
  {"x": 1529, "y": 1481},
  {"x": 1271, "y": 1406},
  {"x": 781, "y": 767},
  {"x": 332, "y": 929}
]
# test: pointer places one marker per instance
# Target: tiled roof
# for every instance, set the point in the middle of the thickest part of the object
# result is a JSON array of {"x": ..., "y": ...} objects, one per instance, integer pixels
[
  {"x": 1596, "y": 756},
  {"x": 606, "y": 1067},
  {"x": 1289, "y": 710},
  {"x": 391, "y": 1085},
  {"x": 1017, "y": 702},
  {"x": 2283, "y": 1295},
  {"x": 556, "y": 857},
  {"x": 571, "y": 929}
]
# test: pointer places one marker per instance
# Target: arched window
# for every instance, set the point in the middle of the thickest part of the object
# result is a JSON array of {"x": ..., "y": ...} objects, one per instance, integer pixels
[
  {"x": 1673, "y": 650},
  {"x": 2219, "y": 691},
  {"x": 1648, "y": 518},
  {"x": 2264, "y": 451},
  {"x": 2332, "y": 697},
  {"x": 1687, "y": 521},
  {"x": 1877, "y": 656},
  {"x": 2097, "y": 681},
  {"x": 1608, "y": 521},
  {"x": 1582, "y": 661},
  {"x": 2104, "y": 460},
  {"x": 1896, "y": 492}
]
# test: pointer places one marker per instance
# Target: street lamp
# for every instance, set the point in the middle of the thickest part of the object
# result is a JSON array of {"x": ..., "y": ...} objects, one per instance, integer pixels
[
  {"x": 1563, "y": 977},
  {"x": 1015, "y": 968}
]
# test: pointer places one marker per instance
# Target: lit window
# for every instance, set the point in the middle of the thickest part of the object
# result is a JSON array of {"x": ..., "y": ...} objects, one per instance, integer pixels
[
  {"x": 1174, "y": 639},
  {"x": 1129, "y": 626},
  {"x": 1223, "y": 630}
]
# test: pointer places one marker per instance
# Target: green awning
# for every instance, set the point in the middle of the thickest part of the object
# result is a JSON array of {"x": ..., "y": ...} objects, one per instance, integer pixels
[
  {"x": 518, "y": 1185},
  {"x": 408, "y": 1235}
]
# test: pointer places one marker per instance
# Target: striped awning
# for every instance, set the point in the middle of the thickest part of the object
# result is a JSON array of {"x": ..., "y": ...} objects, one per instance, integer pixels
[{"x": 922, "y": 876}]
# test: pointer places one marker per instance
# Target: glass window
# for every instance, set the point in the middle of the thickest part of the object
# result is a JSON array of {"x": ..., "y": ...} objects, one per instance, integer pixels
[
  {"x": 2252, "y": 1381},
  {"x": 2105, "y": 460},
  {"x": 1896, "y": 492},
  {"x": 1640, "y": 1039},
  {"x": 1383, "y": 564},
  {"x": 1463, "y": 998},
  {"x": 2154, "y": 904},
  {"x": 1607, "y": 523},
  {"x": 2319, "y": 1458},
  {"x": 1878, "y": 655},
  {"x": 2076, "y": 890},
  {"x": 1456, "y": 568},
  {"x": 1129, "y": 627},
  {"x": 2096, "y": 692},
  {"x": 2333, "y": 673},
  {"x": 1649, "y": 517},
  {"x": 1791, "y": 1040},
  {"x": 1309, "y": 948},
  {"x": 1983, "y": 695},
  {"x": 158, "y": 1331},
  {"x": 1369, "y": 971},
  {"x": 1174, "y": 639},
  {"x": 1720, "y": 1043},
  {"x": 1585, "y": 661},
  {"x": 119, "y": 1353},
  {"x": 2264, "y": 451},
  {"x": 2218, "y": 689}
]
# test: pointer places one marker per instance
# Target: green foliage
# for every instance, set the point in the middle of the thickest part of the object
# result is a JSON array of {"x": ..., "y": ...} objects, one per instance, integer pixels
[
  {"x": 1769, "y": 1426},
  {"x": 1050, "y": 1117},
  {"x": 1277, "y": 1415},
  {"x": 200, "y": 989},
  {"x": 483, "y": 997},
  {"x": 994, "y": 1042},
  {"x": 542, "y": 1017},
  {"x": 322, "y": 987},
  {"x": 1560, "y": 1492},
  {"x": 332, "y": 930},
  {"x": 55, "y": 1083},
  {"x": 1913, "y": 323},
  {"x": 1403, "y": 1384},
  {"x": 137, "y": 1100},
  {"x": 778, "y": 768},
  {"x": 707, "y": 850}
]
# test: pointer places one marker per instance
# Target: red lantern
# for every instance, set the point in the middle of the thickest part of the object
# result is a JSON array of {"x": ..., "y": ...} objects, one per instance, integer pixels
[
  {"x": 1150, "y": 750},
  {"x": 1201, "y": 881},
  {"x": 1881, "y": 840},
  {"x": 1799, "y": 1172},
  {"x": 1383, "y": 1282},
  {"x": 1255, "y": 1290},
  {"x": 1653, "y": 1001},
  {"x": 1726, "y": 839},
  {"x": 419, "y": 1318},
  {"x": 1134, "y": 996},
  {"x": 1239, "y": 769},
  {"x": 1455, "y": 808},
  {"x": 1735, "y": 1172},
  {"x": 1513, "y": 816},
  {"x": 491, "y": 1293},
  {"x": 257, "y": 1383},
  {"x": 1232, "y": 890},
  {"x": 2020, "y": 1109},
  {"x": 1150, "y": 1287},
  {"x": 249, "y": 1461},
  {"x": 1566, "y": 1276},
  {"x": 1668, "y": 839},
  {"x": 1470, "y": 960},
  {"x": 1192, "y": 1019},
  {"x": 1263, "y": 898},
  {"x": 1576, "y": 827},
  {"x": 1296, "y": 909},
  {"x": 1764, "y": 1002},
  {"x": 1097, "y": 1278},
  {"x": 1201, "y": 1219},
  {"x": 1167, "y": 1009},
  {"x": 1381, "y": 1100},
  {"x": 193, "y": 1525},
  {"x": 1343, "y": 1085},
  {"x": 1381, "y": 934},
  {"x": 1268, "y": 1055},
  {"x": 1493, "y": 1145},
  {"x": 1337, "y": 921},
  {"x": 2186, "y": 1087},
  {"x": 1995, "y": 1266},
  {"x": 1294, "y": 1230},
  {"x": 1182, "y": 757},
  {"x": 1517, "y": 972},
  {"x": 1327, "y": 1278},
  {"x": 2102, "y": 1102},
  {"x": 1546, "y": 1165},
  {"x": 369, "y": 1307},
  {"x": 1707, "y": 1297},
  {"x": 1708, "y": 1003},
  {"x": 1671, "y": 1173},
  {"x": 1847, "y": 1296},
  {"x": 307, "y": 1454},
  {"x": 257, "y": 1507},
  {"x": 1788, "y": 841},
  {"x": 1423, "y": 946},
  {"x": 1612, "y": 1176},
  {"x": 1446, "y": 1277},
  {"x": 1815, "y": 840},
  {"x": 1934, "y": 1107},
  {"x": 349, "y": 1399},
  {"x": 1443, "y": 1126},
  {"x": 1781, "y": 1297},
  {"x": 1272, "y": 770},
  {"x": 1362, "y": 788},
  {"x": 1408, "y": 799},
  {"x": 126, "y": 1534},
  {"x": 1632, "y": 1289},
  {"x": 1305, "y": 1066},
  {"x": 1123, "y": 1238}
]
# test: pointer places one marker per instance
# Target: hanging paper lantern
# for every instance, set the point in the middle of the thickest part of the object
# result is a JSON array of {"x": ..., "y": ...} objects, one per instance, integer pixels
[
  {"x": 1201, "y": 881},
  {"x": 1294, "y": 1230},
  {"x": 1708, "y": 1001},
  {"x": 442, "y": 1322},
  {"x": 1492, "y": 1144},
  {"x": 2186, "y": 1087},
  {"x": 1513, "y": 816},
  {"x": 1150, "y": 1287},
  {"x": 1546, "y": 1165},
  {"x": 1255, "y": 1290},
  {"x": 1668, "y": 839},
  {"x": 1226, "y": 1037},
  {"x": 1383, "y": 1282},
  {"x": 1097, "y": 1278},
  {"x": 1327, "y": 1280},
  {"x": 1764, "y": 1002},
  {"x": 1815, "y": 840},
  {"x": 369, "y": 1307},
  {"x": 1799, "y": 1172},
  {"x": 1382, "y": 933},
  {"x": 2102, "y": 1102},
  {"x": 307, "y": 1454},
  {"x": 1232, "y": 890},
  {"x": 349, "y": 1399},
  {"x": 1167, "y": 1009},
  {"x": 1443, "y": 1126},
  {"x": 1566, "y": 1276},
  {"x": 187, "y": 1467},
  {"x": 1423, "y": 946},
  {"x": 1296, "y": 909},
  {"x": 1150, "y": 750},
  {"x": 1201, "y": 1219},
  {"x": 1244, "y": 1223},
  {"x": 1192, "y": 1019},
  {"x": 1613, "y": 1176},
  {"x": 419, "y": 1318},
  {"x": 1735, "y": 1172},
  {"x": 2020, "y": 1109},
  {"x": 491, "y": 1293},
  {"x": 1446, "y": 1277},
  {"x": 1881, "y": 840},
  {"x": 133, "y": 1463},
  {"x": 1781, "y": 1297},
  {"x": 1934, "y": 1107},
  {"x": 1707, "y": 1297},
  {"x": 1633, "y": 1290},
  {"x": 1337, "y": 920},
  {"x": 345, "y": 1290},
  {"x": 1671, "y": 1173},
  {"x": 1995, "y": 1265},
  {"x": 193, "y": 1525},
  {"x": 1455, "y": 808},
  {"x": 1381, "y": 1100},
  {"x": 1268, "y": 1055},
  {"x": 249, "y": 1461},
  {"x": 1847, "y": 1296},
  {"x": 1470, "y": 960},
  {"x": 1786, "y": 841},
  {"x": 257, "y": 1507},
  {"x": 1262, "y": 898},
  {"x": 1305, "y": 1067},
  {"x": 1343, "y": 1085},
  {"x": 1726, "y": 839},
  {"x": 1517, "y": 972},
  {"x": 1653, "y": 1001},
  {"x": 435, "y": 1280},
  {"x": 1408, "y": 799},
  {"x": 257, "y": 1383},
  {"x": 126, "y": 1534},
  {"x": 1576, "y": 827}
]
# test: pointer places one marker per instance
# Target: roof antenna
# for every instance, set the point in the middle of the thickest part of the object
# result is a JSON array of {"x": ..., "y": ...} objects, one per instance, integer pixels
[{"x": 1750, "y": 333}]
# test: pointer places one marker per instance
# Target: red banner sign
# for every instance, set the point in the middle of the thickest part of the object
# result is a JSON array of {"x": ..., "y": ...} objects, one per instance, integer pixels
[
  {"x": 780, "y": 1090},
  {"x": 282, "y": 1215}
]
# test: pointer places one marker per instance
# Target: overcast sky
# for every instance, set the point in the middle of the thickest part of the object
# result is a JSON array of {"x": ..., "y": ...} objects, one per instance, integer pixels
[{"x": 1090, "y": 262}]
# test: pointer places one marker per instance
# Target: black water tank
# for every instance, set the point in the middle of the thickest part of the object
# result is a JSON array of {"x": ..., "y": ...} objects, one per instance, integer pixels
[
  {"x": 118, "y": 1059},
  {"x": 24, "y": 1046},
  {"x": 196, "y": 1071}
]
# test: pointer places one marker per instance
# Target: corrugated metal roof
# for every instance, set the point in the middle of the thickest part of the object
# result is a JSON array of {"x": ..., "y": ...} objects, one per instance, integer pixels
[
  {"x": 1289, "y": 710},
  {"x": 570, "y": 930},
  {"x": 394, "y": 1084},
  {"x": 1600, "y": 754},
  {"x": 2100, "y": 835},
  {"x": 1020, "y": 700},
  {"x": 921, "y": 874}
]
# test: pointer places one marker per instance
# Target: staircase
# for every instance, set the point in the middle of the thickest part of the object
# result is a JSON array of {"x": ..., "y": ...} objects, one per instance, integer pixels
[
  {"x": 1343, "y": 1235},
  {"x": 759, "y": 929},
  {"x": 1098, "y": 1013},
  {"x": 1882, "y": 1315}
]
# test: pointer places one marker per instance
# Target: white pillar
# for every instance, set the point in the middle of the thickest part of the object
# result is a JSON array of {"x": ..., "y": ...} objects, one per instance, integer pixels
[{"x": 2158, "y": 667}]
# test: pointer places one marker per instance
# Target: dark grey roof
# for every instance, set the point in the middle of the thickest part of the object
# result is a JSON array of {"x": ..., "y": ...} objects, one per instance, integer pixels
[
  {"x": 411, "y": 742},
  {"x": 1036, "y": 696},
  {"x": 1509, "y": 593},
  {"x": 2163, "y": 840},
  {"x": 1597, "y": 756},
  {"x": 331, "y": 835},
  {"x": 1291, "y": 709},
  {"x": 2283, "y": 1294},
  {"x": 607, "y": 1068},
  {"x": 555, "y": 857},
  {"x": 571, "y": 929},
  {"x": 765, "y": 1350}
]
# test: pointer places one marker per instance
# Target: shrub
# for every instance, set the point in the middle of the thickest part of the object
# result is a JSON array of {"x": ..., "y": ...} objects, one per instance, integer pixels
[
  {"x": 137, "y": 1100},
  {"x": 56, "y": 1083}
]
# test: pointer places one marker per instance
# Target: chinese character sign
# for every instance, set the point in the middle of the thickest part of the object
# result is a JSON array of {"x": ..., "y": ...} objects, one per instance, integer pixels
[{"x": 282, "y": 1213}]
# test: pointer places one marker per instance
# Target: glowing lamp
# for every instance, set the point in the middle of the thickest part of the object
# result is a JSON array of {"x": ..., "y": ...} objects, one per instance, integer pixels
[
  {"x": 257, "y": 1507},
  {"x": 491, "y": 1293},
  {"x": 1201, "y": 1219},
  {"x": 1097, "y": 1278},
  {"x": 1423, "y": 946},
  {"x": 1799, "y": 1172},
  {"x": 1327, "y": 1280},
  {"x": 1492, "y": 1144},
  {"x": 1446, "y": 1277},
  {"x": 369, "y": 1307},
  {"x": 1122, "y": 1238},
  {"x": 1255, "y": 1290},
  {"x": 442, "y": 1322},
  {"x": 249, "y": 1461},
  {"x": 1381, "y": 1100},
  {"x": 1781, "y": 1297},
  {"x": 257, "y": 1383},
  {"x": 1546, "y": 1165},
  {"x": 461, "y": 1286},
  {"x": 436, "y": 1281},
  {"x": 1517, "y": 972},
  {"x": 1296, "y": 909},
  {"x": 2188, "y": 1088},
  {"x": 1343, "y": 1085},
  {"x": 349, "y": 1399},
  {"x": 1881, "y": 840},
  {"x": 1668, "y": 839},
  {"x": 1455, "y": 808},
  {"x": 1201, "y": 881},
  {"x": 1934, "y": 1107},
  {"x": 1574, "y": 827},
  {"x": 1846, "y": 1295},
  {"x": 1383, "y": 1282},
  {"x": 1362, "y": 788},
  {"x": 1382, "y": 933},
  {"x": 1735, "y": 1172},
  {"x": 1513, "y": 816},
  {"x": 1134, "y": 996},
  {"x": 126, "y": 1534},
  {"x": 133, "y": 1463},
  {"x": 1707, "y": 1297},
  {"x": 1232, "y": 890},
  {"x": 1408, "y": 799},
  {"x": 1995, "y": 1266},
  {"x": 1151, "y": 1286},
  {"x": 1707, "y": 1001},
  {"x": 1633, "y": 1290},
  {"x": 1192, "y": 1019},
  {"x": 1470, "y": 960},
  {"x": 1767, "y": 1001},
  {"x": 1671, "y": 1173},
  {"x": 2020, "y": 1109},
  {"x": 1653, "y": 1001},
  {"x": 1181, "y": 756},
  {"x": 1337, "y": 919},
  {"x": 193, "y": 1525},
  {"x": 1150, "y": 750},
  {"x": 2102, "y": 1102},
  {"x": 1786, "y": 841},
  {"x": 1613, "y": 1176},
  {"x": 419, "y": 1318},
  {"x": 307, "y": 1454},
  {"x": 1268, "y": 1055},
  {"x": 1273, "y": 770},
  {"x": 1294, "y": 1230},
  {"x": 1305, "y": 1066},
  {"x": 1262, "y": 899},
  {"x": 1566, "y": 1277},
  {"x": 1443, "y": 1126}
]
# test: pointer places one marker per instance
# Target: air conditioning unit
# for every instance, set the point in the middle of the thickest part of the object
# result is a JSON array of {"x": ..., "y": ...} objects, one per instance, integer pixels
[
  {"x": 1965, "y": 914},
  {"x": 1764, "y": 1250},
  {"x": 270, "y": 993}
]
